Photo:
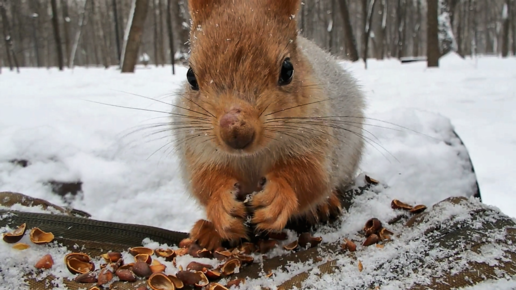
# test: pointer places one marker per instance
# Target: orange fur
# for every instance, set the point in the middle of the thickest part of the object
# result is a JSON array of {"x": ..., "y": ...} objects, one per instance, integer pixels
[
  {"x": 216, "y": 188},
  {"x": 294, "y": 186}
]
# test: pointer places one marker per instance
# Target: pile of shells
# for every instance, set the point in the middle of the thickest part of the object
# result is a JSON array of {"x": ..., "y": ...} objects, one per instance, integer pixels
[{"x": 146, "y": 267}]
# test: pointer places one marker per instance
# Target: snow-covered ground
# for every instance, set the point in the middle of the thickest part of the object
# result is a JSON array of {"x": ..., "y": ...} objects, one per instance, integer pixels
[{"x": 125, "y": 161}]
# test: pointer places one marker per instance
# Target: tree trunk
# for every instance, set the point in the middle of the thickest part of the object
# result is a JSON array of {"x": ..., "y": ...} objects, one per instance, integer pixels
[
  {"x": 134, "y": 32},
  {"x": 417, "y": 30},
  {"x": 9, "y": 46},
  {"x": 400, "y": 15},
  {"x": 349, "y": 38},
  {"x": 459, "y": 14},
  {"x": 155, "y": 11},
  {"x": 382, "y": 41},
  {"x": 57, "y": 37},
  {"x": 447, "y": 40},
  {"x": 117, "y": 30},
  {"x": 513, "y": 25},
  {"x": 161, "y": 45},
  {"x": 505, "y": 24},
  {"x": 99, "y": 33},
  {"x": 82, "y": 22},
  {"x": 433, "y": 52},
  {"x": 368, "y": 21},
  {"x": 66, "y": 28},
  {"x": 170, "y": 35}
]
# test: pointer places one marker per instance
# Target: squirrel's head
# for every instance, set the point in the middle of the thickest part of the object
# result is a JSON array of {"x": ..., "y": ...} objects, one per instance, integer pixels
[{"x": 244, "y": 67}]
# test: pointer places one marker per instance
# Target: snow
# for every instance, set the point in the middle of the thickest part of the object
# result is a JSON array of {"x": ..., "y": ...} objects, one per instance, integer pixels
[{"x": 124, "y": 158}]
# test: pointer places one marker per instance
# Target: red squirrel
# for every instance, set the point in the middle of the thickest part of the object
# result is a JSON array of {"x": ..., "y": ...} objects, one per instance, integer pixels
[{"x": 261, "y": 112}]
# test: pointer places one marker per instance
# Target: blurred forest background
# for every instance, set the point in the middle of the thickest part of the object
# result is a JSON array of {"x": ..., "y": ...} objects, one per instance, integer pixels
[{"x": 67, "y": 33}]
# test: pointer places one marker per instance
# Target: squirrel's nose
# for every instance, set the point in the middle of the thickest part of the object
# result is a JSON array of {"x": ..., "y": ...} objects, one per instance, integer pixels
[{"x": 234, "y": 130}]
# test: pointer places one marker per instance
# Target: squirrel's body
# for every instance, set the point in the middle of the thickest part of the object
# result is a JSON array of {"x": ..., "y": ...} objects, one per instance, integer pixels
[{"x": 238, "y": 129}]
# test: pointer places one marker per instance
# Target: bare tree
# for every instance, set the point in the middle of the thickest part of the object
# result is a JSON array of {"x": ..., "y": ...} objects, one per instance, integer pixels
[
  {"x": 132, "y": 39},
  {"x": 170, "y": 35},
  {"x": 368, "y": 19},
  {"x": 57, "y": 37},
  {"x": 447, "y": 41},
  {"x": 155, "y": 9},
  {"x": 433, "y": 52},
  {"x": 349, "y": 39},
  {"x": 66, "y": 27},
  {"x": 9, "y": 46},
  {"x": 82, "y": 23},
  {"x": 512, "y": 16},
  {"x": 505, "y": 27},
  {"x": 99, "y": 33},
  {"x": 417, "y": 29},
  {"x": 400, "y": 16},
  {"x": 117, "y": 30}
]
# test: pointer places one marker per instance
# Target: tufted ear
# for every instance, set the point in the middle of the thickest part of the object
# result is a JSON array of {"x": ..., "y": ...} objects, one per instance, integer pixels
[
  {"x": 201, "y": 9},
  {"x": 285, "y": 7}
]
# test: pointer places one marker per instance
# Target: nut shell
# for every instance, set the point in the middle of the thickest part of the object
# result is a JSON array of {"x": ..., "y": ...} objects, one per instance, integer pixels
[
  {"x": 385, "y": 234},
  {"x": 396, "y": 204},
  {"x": 349, "y": 245},
  {"x": 141, "y": 250},
  {"x": 177, "y": 282},
  {"x": 215, "y": 286},
  {"x": 157, "y": 267},
  {"x": 160, "y": 281},
  {"x": 244, "y": 259},
  {"x": 143, "y": 258},
  {"x": 291, "y": 246},
  {"x": 20, "y": 246},
  {"x": 192, "y": 278},
  {"x": 418, "y": 209},
  {"x": 196, "y": 266},
  {"x": 372, "y": 226},
  {"x": 168, "y": 254},
  {"x": 230, "y": 267},
  {"x": 16, "y": 235},
  {"x": 37, "y": 236},
  {"x": 307, "y": 238},
  {"x": 235, "y": 282},
  {"x": 222, "y": 255},
  {"x": 90, "y": 277},
  {"x": 142, "y": 269},
  {"x": 126, "y": 275},
  {"x": 112, "y": 256},
  {"x": 78, "y": 263},
  {"x": 45, "y": 262},
  {"x": 105, "y": 276},
  {"x": 371, "y": 180},
  {"x": 372, "y": 239}
]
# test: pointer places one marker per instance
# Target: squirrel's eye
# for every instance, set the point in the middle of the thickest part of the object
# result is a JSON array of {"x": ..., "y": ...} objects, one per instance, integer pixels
[
  {"x": 192, "y": 80},
  {"x": 287, "y": 72}
]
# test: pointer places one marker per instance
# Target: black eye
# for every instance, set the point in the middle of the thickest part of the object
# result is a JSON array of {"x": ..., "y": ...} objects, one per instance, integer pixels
[
  {"x": 192, "y": 80},
  {"x": 287, "y": 72}
]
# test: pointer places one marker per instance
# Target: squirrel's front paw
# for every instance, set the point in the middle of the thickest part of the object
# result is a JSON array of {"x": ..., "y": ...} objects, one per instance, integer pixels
[
  {"x": 228, "y": 215},
  {"x": 205, "y": 235},
  {"x": 274, "y": 205}
]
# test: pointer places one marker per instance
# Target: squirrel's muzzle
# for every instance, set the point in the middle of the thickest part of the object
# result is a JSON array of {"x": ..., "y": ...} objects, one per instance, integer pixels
[{"x": 235, "y": 131}]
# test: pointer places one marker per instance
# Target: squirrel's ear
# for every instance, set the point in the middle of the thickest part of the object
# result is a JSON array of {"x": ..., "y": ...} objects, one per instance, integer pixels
[
  {"x": 285, "y": 7},
  {"x": 201, "y": 9}
]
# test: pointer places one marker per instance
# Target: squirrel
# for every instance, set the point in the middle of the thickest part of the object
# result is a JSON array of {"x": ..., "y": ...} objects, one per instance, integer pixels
[{"x": 262, "y": 111}]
